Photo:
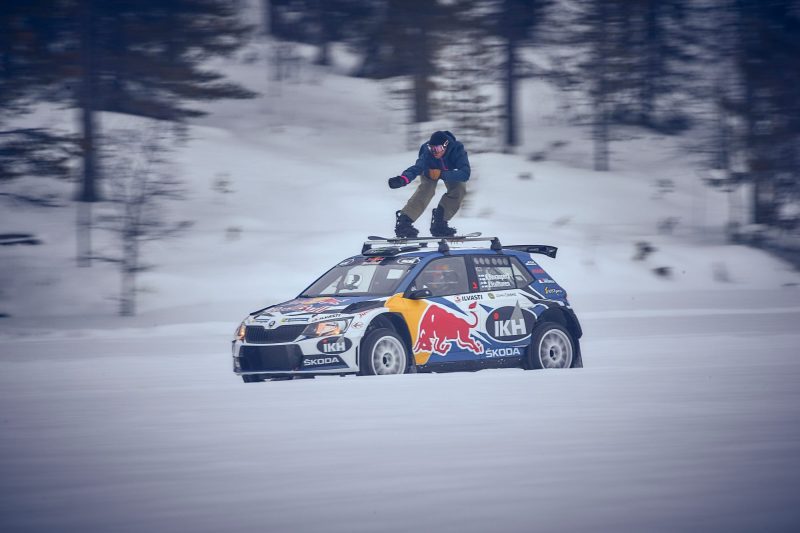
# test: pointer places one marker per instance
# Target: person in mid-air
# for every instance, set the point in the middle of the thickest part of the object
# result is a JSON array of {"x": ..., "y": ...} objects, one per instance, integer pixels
[{"x": 441, "y": 158}]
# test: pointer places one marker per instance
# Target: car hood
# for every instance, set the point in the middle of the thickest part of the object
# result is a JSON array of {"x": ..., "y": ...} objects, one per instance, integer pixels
[{"x": 322, "y": 304}]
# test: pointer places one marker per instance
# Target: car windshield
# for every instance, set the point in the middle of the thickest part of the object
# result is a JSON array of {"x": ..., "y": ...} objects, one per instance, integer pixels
[{"x": 362, "y": 276}]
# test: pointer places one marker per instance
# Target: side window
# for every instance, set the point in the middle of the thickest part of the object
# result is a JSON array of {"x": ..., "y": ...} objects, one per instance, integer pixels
[
  {"x": 521, "y": 276},
  {"x": 443, "y": 277},
  {"x": 493, "y": 272}
]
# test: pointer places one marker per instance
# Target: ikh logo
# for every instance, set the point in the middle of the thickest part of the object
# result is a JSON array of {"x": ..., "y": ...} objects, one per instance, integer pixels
[
  {"x": 334, "y": 345},
  {"x": 509, "y": 324}
]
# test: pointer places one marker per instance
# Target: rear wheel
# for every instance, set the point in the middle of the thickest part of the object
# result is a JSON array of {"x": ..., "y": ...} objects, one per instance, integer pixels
[
  {"x": 383, "y": 352},
  {"x": 551, "y": 347}
]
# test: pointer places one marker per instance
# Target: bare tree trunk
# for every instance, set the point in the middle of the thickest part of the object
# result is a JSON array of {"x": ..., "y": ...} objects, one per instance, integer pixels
[
  {"x": 422, "y": 111},
  {"x": 652, "y": 37},
  {"x": 86, "y": 98},
  {"x": 512, "y": 138},
  {"x": 422, "y": 78},
  {"x": 129, "y": 269},
  {"x": 601, "y": 149},
  {"x": 323, "y": 35},
  {"x": 601, "y": 126},
  {"x": 88, "y": 192},
  {"x": 83, "y": 237}
]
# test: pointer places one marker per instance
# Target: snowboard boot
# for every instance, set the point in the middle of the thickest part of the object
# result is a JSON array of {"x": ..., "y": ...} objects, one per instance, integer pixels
[
  {"x": 403, "y": 227},
  {"x": 439, "y": 227}
]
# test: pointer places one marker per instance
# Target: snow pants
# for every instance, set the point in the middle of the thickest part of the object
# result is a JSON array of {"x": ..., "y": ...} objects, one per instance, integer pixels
[{"x": 449, "y": 202}]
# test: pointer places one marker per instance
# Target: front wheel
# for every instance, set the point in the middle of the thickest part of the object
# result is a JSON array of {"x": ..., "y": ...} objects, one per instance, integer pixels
[
  {"x": 551, "y": 347},
  {"x": 383, "y": 352}
]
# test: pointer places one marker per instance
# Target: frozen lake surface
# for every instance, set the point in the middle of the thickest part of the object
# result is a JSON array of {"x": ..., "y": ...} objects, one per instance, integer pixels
[{"x": 686, "y": 417}]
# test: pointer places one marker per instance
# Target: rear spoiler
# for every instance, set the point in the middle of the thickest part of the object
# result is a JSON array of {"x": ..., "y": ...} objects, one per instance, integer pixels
[{"x": 544, "y": 249}]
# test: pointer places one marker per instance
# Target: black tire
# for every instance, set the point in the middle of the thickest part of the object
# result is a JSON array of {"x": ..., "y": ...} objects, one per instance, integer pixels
[
  {"x": 551, "y": 347},
  {"x": 383, "y": 352},
  {"x": 252, "y": 378}
]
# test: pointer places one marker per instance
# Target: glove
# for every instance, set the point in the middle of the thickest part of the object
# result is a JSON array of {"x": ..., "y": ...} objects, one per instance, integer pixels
[
  {"x": 434, "y": 173},
  {"x": 398, "y": 181}
]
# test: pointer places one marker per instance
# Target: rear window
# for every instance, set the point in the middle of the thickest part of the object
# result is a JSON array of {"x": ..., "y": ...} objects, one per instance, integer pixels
[{"x": 494, "y": 273}]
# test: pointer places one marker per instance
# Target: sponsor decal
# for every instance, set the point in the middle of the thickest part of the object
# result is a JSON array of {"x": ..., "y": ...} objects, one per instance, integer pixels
[
  {"x": 272, "y": 324},
  {"x": 550, "y": 291},
  {"x": 537, "y": 271},
  {"x": 316, "y": 361},
  {"x": 510, "y": 324},
  {"x": 333, "y": 345},
  {"x": 468, "y": 298},
  {"x": 373, "y": 260},
  {"x": 329, "y": 316},
  {"x": 290, "y": 319},
  {"x": 510, "y": 294},
  {"x": 503, "y": 352},
  {"x": 531, "y": 263},
  {"x": 439, "y": 328},
  {"x": 346, "y": 262},
  {"x": 358, "y": 325},
  {"x": 407, "y": 260},
  {"x": 545, "y": 281},
  {"x": 495, "y": 281}
]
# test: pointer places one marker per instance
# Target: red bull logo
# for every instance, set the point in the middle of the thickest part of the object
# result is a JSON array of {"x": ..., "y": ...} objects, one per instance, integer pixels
[{"x": 439, "y": 328}]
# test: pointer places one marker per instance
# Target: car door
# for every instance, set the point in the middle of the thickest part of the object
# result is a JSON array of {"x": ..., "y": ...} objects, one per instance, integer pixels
[
  {"x": 447, "y": 329},
  {"x": 508, "y": 316}
]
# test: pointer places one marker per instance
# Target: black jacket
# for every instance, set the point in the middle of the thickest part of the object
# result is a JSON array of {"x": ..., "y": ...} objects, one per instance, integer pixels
[{"x": 454, "y": 164}]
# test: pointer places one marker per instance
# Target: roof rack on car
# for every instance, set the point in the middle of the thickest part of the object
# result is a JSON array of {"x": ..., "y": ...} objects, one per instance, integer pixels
[
  {"x": 393, "y": 246},
  {"x": 372, "y": 244},
  {"x": 389, "y": 250}
]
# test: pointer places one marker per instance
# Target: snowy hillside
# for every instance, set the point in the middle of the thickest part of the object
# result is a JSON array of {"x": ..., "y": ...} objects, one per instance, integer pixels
[{"x": 282, "y": 186}]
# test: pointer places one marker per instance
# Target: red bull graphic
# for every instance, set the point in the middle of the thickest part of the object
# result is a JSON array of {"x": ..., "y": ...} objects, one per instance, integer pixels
[{"x": 439, "y": 328}]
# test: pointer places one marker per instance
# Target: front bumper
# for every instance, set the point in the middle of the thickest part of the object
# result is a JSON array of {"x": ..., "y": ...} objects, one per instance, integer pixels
[{"x": 310, "y": 356}]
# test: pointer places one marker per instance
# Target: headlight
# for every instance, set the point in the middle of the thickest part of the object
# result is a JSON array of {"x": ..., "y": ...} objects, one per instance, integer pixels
[
  {"x": 327, "y": 328},
  {"x": 240, "y": 331}
]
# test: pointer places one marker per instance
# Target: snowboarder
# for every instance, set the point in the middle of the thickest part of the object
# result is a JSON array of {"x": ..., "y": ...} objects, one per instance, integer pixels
[{"x": 441, "y": 158}]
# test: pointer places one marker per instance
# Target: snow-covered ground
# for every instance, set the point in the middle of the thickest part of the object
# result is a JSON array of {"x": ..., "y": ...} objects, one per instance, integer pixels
[{"x": 685, "y": 417}]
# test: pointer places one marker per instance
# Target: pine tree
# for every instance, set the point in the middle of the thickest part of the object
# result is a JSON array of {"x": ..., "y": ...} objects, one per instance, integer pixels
[
  {"x": 466, "y": 96},
  {"x": 27, "y": 70}
]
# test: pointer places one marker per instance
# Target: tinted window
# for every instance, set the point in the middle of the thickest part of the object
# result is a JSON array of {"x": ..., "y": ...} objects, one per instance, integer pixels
[
  {"x": 521, "y": 276},
  {"x": 443, "y": 277}
]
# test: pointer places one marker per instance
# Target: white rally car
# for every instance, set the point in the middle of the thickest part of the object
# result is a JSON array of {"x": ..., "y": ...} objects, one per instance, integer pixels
[{"x": 401, "y": 306}]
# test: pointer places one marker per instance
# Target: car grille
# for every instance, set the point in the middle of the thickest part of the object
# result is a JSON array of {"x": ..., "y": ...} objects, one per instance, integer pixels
[
  {"x": 259, "y": 335},
  {"x": 270, "y": 358}
]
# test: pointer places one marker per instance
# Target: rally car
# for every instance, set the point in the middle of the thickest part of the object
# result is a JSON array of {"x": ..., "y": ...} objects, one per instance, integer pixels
[{"x": 416, "y": 305}]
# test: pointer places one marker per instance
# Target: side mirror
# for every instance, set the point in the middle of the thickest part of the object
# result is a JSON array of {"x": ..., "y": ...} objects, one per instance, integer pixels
[{"x": 420, "y": 294}]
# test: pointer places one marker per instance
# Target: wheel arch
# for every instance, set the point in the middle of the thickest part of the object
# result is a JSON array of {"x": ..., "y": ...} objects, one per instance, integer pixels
[
  {"x": 394, "y": 321},
  {"x": 569, "y": 321}
]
